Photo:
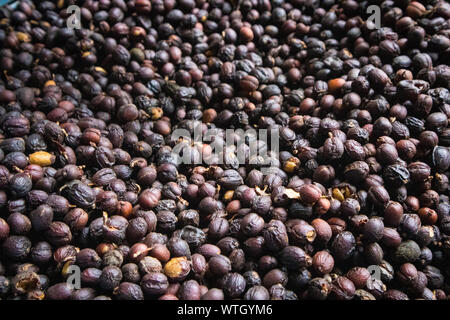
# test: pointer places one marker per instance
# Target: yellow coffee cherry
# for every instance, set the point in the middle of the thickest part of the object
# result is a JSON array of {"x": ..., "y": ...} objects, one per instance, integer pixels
[
  {"x": 177, "y": 268},
  {"x": 42, "y": 158}
]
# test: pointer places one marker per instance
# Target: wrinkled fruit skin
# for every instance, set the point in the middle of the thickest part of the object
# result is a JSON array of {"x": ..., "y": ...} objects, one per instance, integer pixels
[{"x": 225, "y": 150}]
